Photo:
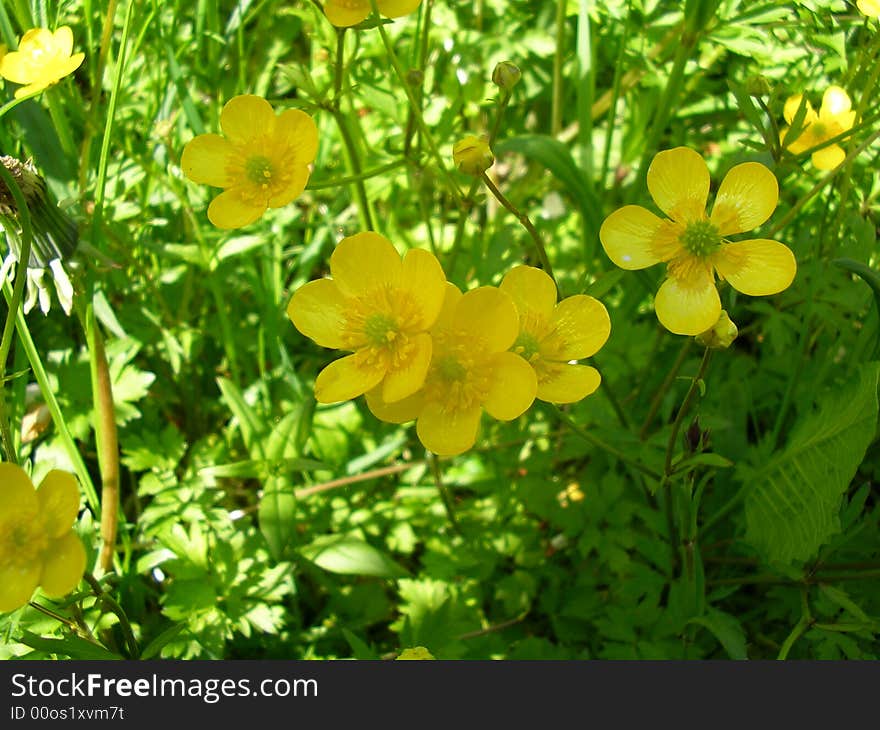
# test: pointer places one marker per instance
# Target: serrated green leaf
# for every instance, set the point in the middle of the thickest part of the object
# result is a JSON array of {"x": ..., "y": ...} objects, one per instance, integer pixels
[
  {"x": 793, "y": 502},
  {"x": 350, "y": 555}
]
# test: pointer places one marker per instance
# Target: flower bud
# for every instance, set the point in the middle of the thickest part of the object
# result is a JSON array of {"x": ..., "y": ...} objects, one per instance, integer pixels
[
  {"x": 415, "y": 77},
  {"x": 506, "y": 75},
  {"x": 417, "y": 652},
  {"x": 758, "y": 85},
  {"x": 472, "y": 155},
  {"x": 720, "y": 335}
]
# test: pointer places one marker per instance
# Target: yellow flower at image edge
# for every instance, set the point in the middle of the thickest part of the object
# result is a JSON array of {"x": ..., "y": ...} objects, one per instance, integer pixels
[
  {"x": 377, "y": 306},
  {"x": 694, "y": 245},
  {"x": 834, "y": 118},
  {"x": 37, "y": 545},
  {"x": 552, "y": 335},
  {"x": 262, "y": 161},
  {"x": 43, "y": 58},
  {"x": 345, "y": 13},
  {"x": 870, "y": 8},
  {"x": 471, "y": 371}
]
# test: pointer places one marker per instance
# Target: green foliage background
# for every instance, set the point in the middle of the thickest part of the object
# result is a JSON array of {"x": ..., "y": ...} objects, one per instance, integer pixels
[{"x": 258, "y": 524}]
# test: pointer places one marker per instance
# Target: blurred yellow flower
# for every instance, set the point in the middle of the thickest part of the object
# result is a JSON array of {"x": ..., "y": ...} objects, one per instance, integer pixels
[
  {"x": 695, "y": 245},
  {"x": 471, "y": 371},
  {"x": 262, "y": 161},
  {"x": 870, "y": 8},
  {"x": 37, "y": 545},
  {"x": 551, "y": 335},
  {"x": 43, "y": 58},
  {"x": 380, "y": 308},
  {"x": 416, "y": 653},
  {"x": 472, "y": 155},
  {"x": 835, "y": 117},
  {"x": 345, "y": 13}
]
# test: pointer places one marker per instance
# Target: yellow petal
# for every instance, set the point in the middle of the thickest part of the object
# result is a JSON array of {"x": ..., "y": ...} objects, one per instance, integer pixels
[
  {"x": 62, "y": 38},
  {"x": 678, "y": 180},
  {"x": 566, "y": 383},
  {"x": 70, "y": 65},
  {"x": 580, "y": 326},
  {"x": 363, "y": 263},
  {"x": 448, "y": 432},
  {"x": 345, "y": 379},
  {"x": 401, "y": 411},
  {"x": 397, "y": 8},
  {"x": 451, "y": 297},
  {"x": 870, "y": 7},
  {"x": 792, "y": 105},
  {"x": 293, "y": 189},
  {"x": 30, "y": 89},
  {"x": 423, "y": 277},
  {"x": 835, "y": 101},
  {"x": 512, "y": 388},
  {"x": 64, "y": 565},
  {"x": 345, "y": 13},
  {"x": 798, "y": 144},
  {"x": 245, "y": 117},
  {"x": 317, "y": 310},
  {"x": 205, "y": 159},
  {"x": 757, "y": 267},
  {"x": 531, "y": 289},
  {"x": 828, "y": 157},
  {"x": 58, "y": 495},
  {"x": 17, "y": 585},
  {"x": 747, "y": 197},
  {"x": 489, "y": 316},
  {"x": 231, "y": 210},
  {"x": 17, "y": 67},
  {"x": 688, "y": 304},
  {"x": 405, "y": 380},
  {"x": 17, "y": 493},
  {"x": 635, "y": 238},
  {"x": 297, "y": 129}
]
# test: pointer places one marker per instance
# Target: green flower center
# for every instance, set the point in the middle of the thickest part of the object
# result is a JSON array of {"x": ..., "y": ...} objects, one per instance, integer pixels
[
  {"x": 380, "y": 329},
  {"x": 527, "y": 346},
  {"x": 819, "y": 129},
  {"x": 700, "y": 238},
  {"x": 259, "y": 170},
  {"x": 451, "y": 368}
]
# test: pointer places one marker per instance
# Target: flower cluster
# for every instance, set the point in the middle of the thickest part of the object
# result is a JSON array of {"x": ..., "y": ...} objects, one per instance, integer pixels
[
  {"x": 694, "y": 245},
  {"x": 422, "y": 350},
  {"x": 37, "y": 545},
  {"x": 43, "y": 58}
]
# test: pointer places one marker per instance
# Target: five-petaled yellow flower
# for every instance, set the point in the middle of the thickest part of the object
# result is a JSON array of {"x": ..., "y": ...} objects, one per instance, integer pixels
[
  {"x": 552, "y": 335},
  {"x": 43, "y": 58},
  {"x": 870, "y": 8},
  {"x": 695, "y": 245},
  {"x": 261, "y": 162},
  {"x": 37, "y": 545},
  {"x": 345, "y": 13},
  {"x": 471, "y": 371},
  {"x": 835, "y": 117},
  {"x": 378, "y": 306}
]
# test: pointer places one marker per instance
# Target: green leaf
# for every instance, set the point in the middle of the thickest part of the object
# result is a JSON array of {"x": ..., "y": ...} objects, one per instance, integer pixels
[
  {"x": 277, "y": 514},
  {"x": 350, "y": 555},
  {"x": 71, "y": 646},
  {"x": 155, "y": 646},
  {"x": 247, "y": 419},
  {"x": 358, "y": 647},
  {"x": 793, "y": 502},
  {"x": 726, "y": 629}
]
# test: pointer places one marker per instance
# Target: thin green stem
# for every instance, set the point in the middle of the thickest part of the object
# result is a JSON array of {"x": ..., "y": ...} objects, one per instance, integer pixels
[
  {"x": 10, "y": 105},
  {"x": 683, "y": 411},
  {"x": 445, "y": 494},
  {"x": 664, "y": 387},
  {"x": 351, "y": 179},
  {"x": 110, "y": 603},
  {"x": 556, "y": 102},
  {"x": 527, "y": 224},
  {"x": 354, "y": 163},
  {"x": 799, "y": 629}
]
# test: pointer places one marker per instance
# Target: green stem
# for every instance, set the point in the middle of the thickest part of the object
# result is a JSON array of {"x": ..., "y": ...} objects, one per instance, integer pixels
[
  {"x": 354, "y": 163},
  {"x": 10, "y": 105},
  {"x": 445, "y": 495},
  {"x": 804, "y": 623},
  {"x": 527, "y": 224},
  {"x": 351, "y": 179},
  {"x": 682, "y": 412},
  {"x": 556, "y": 103},
  {"x": 110, "y": 603},
  {"x": 664, "y": 387}
]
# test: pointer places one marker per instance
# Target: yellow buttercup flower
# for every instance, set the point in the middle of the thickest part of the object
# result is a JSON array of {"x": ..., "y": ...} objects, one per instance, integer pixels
[
  {"x": 471, "y": 371},
  {"x": 870, "y": 8},
  {"x": 696, "y": 246},
  {"x": 552, "y": 335},
  {"x": 835, "y": 117},
  {"x": 345, "y": 13},
  {"x": 377, "y": 306},
  {"x": 262, "y": 161},
  {"x": 37, "y": 545},
  {"x": 43, "y": 58}
]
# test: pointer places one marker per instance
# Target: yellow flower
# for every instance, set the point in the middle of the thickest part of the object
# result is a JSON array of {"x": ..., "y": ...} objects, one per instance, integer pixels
[
  {"x": 835, "y": 117},
  {"x": 345, "y": 13},
  {"x": 417, "y": 652},
  {"x": 472, "y": 155},
  {"x": 551, "y": 335},
  {"x": 380, "y": 308},
  {"x": 695, "y": 245},
  {"x": 471, "y": 371},
  {"x": 261, "y": 163},
  {"x": 870, "y": 8},
  {"x": 43, "y": 58},
  {"x": 37, "y": 545}
]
